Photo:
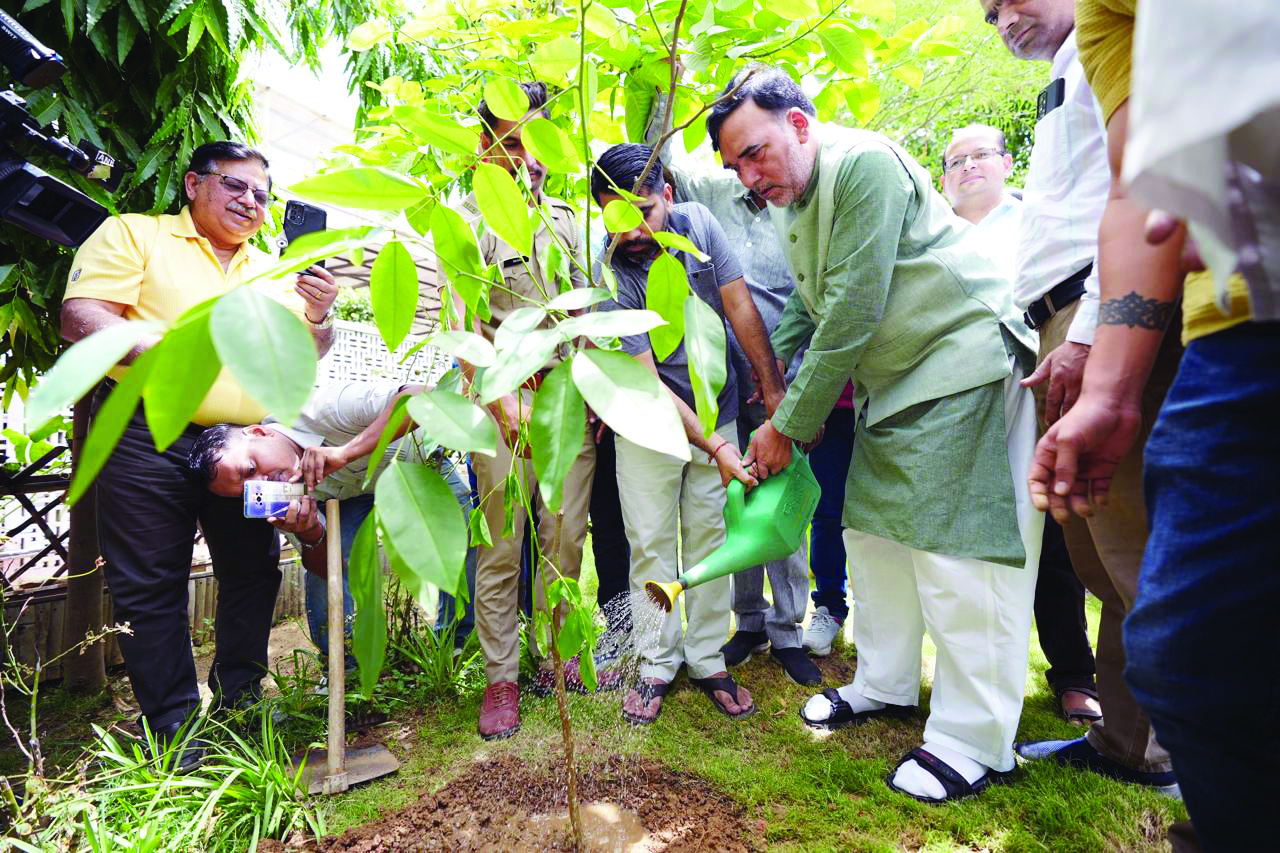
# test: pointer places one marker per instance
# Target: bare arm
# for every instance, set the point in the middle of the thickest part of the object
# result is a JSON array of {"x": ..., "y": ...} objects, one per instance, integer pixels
[
  {"x": 1140, "y": 287},
  {"x": 81, "y": 317},
  {"x": 725, "y": 454},
  {"x": 748, "y": 327},
  {"x": 319, "y": 462}
]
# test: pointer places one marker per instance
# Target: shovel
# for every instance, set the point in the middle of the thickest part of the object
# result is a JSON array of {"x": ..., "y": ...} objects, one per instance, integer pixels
[{"x": 334, "y": 770}]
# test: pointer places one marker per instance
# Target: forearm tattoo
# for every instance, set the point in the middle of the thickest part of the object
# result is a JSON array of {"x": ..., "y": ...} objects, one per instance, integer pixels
[{"x": 1136, "y": 312}]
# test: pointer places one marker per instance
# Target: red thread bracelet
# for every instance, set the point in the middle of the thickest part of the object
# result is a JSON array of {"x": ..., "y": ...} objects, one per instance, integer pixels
[{"x": 719, "y": 447}]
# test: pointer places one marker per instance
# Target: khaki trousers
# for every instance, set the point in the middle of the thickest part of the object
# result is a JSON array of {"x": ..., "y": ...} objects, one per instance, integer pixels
[
  {"x": 498, "y": 566},
  {"x": 669, "y": 506},
  {"x": 1106, "y": 551}
]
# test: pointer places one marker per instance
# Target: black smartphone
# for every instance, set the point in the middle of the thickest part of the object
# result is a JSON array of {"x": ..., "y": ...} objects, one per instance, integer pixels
[
  {"x": 302, "y": 218},
  {"x": 1051, "y": 97}
]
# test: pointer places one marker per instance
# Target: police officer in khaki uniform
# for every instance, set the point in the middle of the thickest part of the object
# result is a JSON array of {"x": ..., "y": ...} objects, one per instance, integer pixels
[{"x": 498, "y": 566}]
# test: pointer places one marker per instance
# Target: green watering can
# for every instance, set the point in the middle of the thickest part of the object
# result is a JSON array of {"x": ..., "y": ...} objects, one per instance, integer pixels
[{"x": 761, "y": 526}]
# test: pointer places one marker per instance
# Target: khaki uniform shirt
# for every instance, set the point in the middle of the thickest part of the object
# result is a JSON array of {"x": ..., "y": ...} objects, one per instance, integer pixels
[{"x": 521, "y": 276}]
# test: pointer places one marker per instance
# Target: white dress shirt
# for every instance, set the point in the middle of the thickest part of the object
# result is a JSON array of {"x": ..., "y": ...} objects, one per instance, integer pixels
[
  {"x": 1067, "y": 185},
  {"x": 998, "y": 232}
]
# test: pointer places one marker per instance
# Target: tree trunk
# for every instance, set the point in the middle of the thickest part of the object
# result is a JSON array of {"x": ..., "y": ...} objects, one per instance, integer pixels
[{"x": 83, "y": 672}]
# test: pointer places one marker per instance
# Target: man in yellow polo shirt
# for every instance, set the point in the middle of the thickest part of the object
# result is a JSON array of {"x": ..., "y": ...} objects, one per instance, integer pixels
[{"x": 156, "y": 268}]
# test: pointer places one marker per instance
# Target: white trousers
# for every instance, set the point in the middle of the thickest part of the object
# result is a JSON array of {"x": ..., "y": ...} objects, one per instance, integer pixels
[
  {"x": 978, "y": 614},
  {"x": 669, "y": 507}
]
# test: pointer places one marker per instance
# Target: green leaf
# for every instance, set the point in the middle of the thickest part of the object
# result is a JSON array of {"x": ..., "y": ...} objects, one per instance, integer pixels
[
  {"x": 186, "y": 367},
  {"x": 631, "y": 399},
  {"x": 557, "y": 430},
  {"x": 109, "y": 423},
  {"x": 912, "y": 75},
  {"x": 505, "y": 99},
  {"x": 517, "y": 363},
  {"x": 455, "y": 422},
  {"x": 551, "y": 146},
  {"x": 440, "y": 131},
  {"x": 671, "y": 240},
  {"x": 267, "y": 350},
  {"x": 393, "y": 290},
  {"x": 458, "y": 254},
  {"x": 844, "y": 49},
  {"x": 468, "y": 346},
  {"x": 578, "y": 298},
  {"x": 80, "y": 368},
  {"x": 704, "y": 342},
  {"x": 554, "y": 61},
  {"x": 609, "y": 324},
  {"x": 424, "y": 525},
  {"x": 666, "y": 288},
  {"x": 364, "y": 187},
  {"x": 693, "y": 135},
  {"x": 517, "y": 323},
  {"x": 478, "y": 527},
  {"x": 419, "y": 215},
  {"x": 309, "y": 248},
  {"x": 587, "y": 667},
  {"x": 503, "y": 207},
  {"x": 396, "y": 419},
  {"x": 126, "y": 34},
  {"x": 368, "y": 34},
  {"x": 621, "y": 216},
  {"x": 369, "y": 627},
  {"x": 571, "y": 635},
  {"x": 194, "y": 31}
]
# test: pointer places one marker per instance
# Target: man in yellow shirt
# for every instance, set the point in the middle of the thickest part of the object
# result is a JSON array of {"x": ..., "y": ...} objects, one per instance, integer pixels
[{"x": 139, "y": 267}]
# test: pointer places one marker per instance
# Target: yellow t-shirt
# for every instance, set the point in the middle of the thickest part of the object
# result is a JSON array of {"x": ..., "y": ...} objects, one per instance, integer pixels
[
  {"x": 159, "y": 267},
  {"x": 1104, "y": 34}
]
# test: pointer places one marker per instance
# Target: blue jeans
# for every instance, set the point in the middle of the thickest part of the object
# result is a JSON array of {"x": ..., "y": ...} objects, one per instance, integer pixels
[
  {"x": 1202, "y": 656},
  {"x": 830, "y": 463},
  {"x": 352, "y": 513}
]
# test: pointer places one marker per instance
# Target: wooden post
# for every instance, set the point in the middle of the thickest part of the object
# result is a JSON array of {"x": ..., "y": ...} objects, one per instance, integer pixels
[
  {"x": 84, "y": 672},
  {"x": 335, "y": 780}
]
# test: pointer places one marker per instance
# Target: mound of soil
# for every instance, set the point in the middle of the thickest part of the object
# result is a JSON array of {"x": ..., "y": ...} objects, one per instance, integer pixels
[{"x": 502, "y": 804}]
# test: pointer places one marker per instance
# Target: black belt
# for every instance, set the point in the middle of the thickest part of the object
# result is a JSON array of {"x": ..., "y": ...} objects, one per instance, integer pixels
[{"x": 1058, "y": 298}]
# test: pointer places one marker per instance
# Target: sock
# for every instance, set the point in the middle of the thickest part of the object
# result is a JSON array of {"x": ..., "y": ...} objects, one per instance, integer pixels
[
  {"x": 819, "y": 708},
  {"x": 914, "y": 779}
]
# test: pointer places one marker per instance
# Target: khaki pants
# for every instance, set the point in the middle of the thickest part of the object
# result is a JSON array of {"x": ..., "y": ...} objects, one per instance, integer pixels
[
  {"x": 669, "y": 506},
  {"x": 1106, "y": 551},
  {"x": 498, "y": 567}
]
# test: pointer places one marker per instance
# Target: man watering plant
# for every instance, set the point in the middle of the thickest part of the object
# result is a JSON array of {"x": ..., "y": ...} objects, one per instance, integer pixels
[
  {"x": 156, "y": 268},
  {"x": 939, "y": 531},
  {"x": 667, "y": 502}
]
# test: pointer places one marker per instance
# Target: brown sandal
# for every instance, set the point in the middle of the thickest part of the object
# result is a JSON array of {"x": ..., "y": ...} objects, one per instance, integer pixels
[
  {"x": 1081, "y": 716},
  {"x": 726, "y": 683}
]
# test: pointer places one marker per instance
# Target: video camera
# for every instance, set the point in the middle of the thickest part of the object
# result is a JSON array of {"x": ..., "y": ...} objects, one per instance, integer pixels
[{"x": 29, "y": 197}]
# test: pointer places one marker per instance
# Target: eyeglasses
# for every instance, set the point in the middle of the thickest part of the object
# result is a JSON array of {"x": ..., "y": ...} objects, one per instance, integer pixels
[
  {"x": 993, "y": 16},
  {"x": 958, "y": 161},
  {"x": 236, "y": 187}
]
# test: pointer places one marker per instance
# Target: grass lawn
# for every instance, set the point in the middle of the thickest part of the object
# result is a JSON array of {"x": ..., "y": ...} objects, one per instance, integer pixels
[{"x": 801, "y": 792}]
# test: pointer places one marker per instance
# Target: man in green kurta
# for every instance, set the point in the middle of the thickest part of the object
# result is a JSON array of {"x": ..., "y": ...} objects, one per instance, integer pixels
[{"x": 939, "y": 531}]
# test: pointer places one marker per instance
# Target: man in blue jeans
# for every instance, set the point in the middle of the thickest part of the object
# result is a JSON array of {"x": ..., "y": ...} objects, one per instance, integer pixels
[{"x": 328, "y": 446}]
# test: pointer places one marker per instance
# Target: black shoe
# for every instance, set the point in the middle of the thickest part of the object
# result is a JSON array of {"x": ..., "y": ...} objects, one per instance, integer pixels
[
  {"x": 1081, "y": 753},
  {"x": 843, "y": 715},
  {"x": 174, "y": 736},
  {"x": 796, "y": 664},
  {"x": 742, "y": 645}
]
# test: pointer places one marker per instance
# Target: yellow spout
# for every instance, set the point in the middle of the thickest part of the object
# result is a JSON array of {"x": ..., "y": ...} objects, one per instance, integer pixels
[{"x": 664, "y": 594}]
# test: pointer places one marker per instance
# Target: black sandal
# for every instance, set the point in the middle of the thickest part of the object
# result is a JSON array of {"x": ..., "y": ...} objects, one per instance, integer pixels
[
  {"x": 1080, "y": 718},
  {"x": 843, "y": 715},
  {"x": 648, "y": 692},
  {"x": 726, "y": 683},
  {"x": 955, "y": 785}
]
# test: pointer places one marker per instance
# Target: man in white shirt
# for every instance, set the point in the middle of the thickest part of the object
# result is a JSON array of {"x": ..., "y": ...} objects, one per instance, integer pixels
[
  {"x": 1056, "y": 284},
  {"x": 975, "y": 166}
]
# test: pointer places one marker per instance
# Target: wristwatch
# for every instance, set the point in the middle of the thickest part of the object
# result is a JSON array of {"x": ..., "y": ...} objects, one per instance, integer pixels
[
  {"x": 326, "y": 322},
  {"x": 308, "y": 546}
]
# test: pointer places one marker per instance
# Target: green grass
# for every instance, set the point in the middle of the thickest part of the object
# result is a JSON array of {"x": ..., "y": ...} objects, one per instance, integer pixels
[{"x": 810, "y": 794}]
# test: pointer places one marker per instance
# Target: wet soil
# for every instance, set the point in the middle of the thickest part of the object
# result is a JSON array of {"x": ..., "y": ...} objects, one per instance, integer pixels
[{"x": 502, "y": 804}]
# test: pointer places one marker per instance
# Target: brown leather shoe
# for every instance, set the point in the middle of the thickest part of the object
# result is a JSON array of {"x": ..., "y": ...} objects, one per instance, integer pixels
[{"x": 500, "y": 710}]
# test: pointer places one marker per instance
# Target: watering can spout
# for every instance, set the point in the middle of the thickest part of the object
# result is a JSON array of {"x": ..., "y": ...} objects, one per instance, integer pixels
[{"x": 664, "y": 594}]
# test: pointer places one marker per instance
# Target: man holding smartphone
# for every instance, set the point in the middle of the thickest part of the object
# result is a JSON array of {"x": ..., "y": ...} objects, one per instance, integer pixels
[{"x": 157, "y": 268}]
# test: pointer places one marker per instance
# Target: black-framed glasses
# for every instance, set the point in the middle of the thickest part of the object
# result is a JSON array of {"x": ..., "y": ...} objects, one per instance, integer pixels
[
  {"x": 993, "y": 16},
  {"x": 236, "y": 187},
  {"x": 957, "y": 162}
]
